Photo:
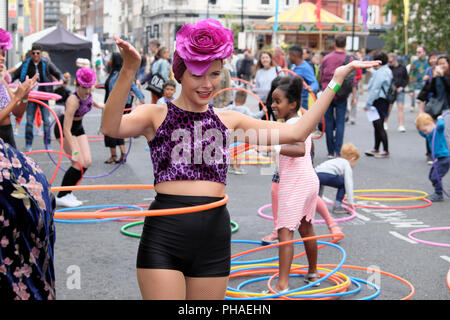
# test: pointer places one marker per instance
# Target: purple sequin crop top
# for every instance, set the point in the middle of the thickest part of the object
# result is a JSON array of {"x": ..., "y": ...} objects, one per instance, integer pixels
[
  {"x": 190, "y": 146},
  {"x": 84, "y": 107}
]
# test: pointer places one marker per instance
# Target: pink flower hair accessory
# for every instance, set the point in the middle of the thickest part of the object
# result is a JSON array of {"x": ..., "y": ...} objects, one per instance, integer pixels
[
  {"x": 85, "y": 77},
  {"x": 5, "y": 40},
  {"x": 199, "y": 44}
]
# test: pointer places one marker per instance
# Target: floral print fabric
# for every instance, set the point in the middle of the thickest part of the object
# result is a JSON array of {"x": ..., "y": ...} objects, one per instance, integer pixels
[{"x": 27, "y": 233}]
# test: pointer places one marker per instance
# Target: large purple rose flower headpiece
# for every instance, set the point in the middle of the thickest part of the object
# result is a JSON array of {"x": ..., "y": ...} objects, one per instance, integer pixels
[
  {"x": 5, "y": 40},
  {"x": 85, "y": 77},
  {"x": 199, "y": 44}
]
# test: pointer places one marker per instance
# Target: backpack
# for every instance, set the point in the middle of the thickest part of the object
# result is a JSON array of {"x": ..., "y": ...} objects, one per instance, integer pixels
[
  {"x": 391, "y": 95},
  {"x": 347, "y": 85}
]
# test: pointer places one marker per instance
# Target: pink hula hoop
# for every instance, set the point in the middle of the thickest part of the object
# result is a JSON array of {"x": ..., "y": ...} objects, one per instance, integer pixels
[
  {"x": 41, "y": 95},
  {"x": 61, "y": 148},
  {"x": 43, "y": 84},
  {"x": 352, "y": 216},
  {"x": 436, "y": 244}
]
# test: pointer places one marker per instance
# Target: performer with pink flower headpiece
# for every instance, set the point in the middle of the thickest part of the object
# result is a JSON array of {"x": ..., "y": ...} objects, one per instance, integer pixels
[
  {"x": 75, "y": 139},
  {"x": 11, "y": 103},
  {"x": 187, "y": 256}
]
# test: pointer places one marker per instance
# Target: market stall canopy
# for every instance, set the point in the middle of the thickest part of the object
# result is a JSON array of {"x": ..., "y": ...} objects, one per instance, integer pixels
[
  {"x": 61, "y": 39},
  {"x": 305, "y": 13},
  {"x": 64, "y": 48}
]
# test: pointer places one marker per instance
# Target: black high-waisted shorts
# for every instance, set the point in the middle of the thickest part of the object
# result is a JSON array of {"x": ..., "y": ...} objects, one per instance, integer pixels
[
  {"x": 198, "y": 244},
  {"x": 77, "y": 127}
]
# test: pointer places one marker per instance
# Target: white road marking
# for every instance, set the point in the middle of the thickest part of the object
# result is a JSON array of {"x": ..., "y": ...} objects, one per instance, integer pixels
[
  {"x": 401, "y": 237},
  {"x": 446, "y": 258}
]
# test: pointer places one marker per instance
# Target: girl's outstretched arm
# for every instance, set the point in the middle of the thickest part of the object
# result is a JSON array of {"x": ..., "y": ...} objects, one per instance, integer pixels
[{"x": 269, "y": 132}]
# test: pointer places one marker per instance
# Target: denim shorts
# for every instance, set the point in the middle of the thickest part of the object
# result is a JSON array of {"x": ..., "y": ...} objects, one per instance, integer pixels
[{"x": 400, "y": 97}]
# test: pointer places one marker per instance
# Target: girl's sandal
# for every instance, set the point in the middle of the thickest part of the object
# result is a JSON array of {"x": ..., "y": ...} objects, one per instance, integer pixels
[
  {"x": 334, "y": 228},
  {"x": 111, "y": 159},
  {"x": 309, "y": 276},
  {"x": 122, "y": 159}
]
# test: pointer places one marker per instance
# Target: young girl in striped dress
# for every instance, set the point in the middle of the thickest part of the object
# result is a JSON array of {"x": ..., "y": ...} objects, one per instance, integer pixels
[{"x": 298, "y": 186}]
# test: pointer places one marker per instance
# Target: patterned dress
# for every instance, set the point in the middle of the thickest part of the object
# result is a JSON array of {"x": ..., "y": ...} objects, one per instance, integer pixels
[
  {"x": 27, "y": 232},
  {"x": 298, "y": 189}
]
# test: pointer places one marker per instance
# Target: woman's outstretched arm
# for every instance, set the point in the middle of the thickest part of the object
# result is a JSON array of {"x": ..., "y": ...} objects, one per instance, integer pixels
[{"x": 269, "y": 132}]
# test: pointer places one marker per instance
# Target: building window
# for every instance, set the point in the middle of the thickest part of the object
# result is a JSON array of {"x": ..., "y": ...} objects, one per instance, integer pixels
[
  {"x": 348, "y": 12},
  {"x": 156, "y": 31},
  {"x": 287, "y": 3},
  {"x": 373, "y": 14},
  {"x": 265, "y": 2},
  {"x": 388, "y": 17}
]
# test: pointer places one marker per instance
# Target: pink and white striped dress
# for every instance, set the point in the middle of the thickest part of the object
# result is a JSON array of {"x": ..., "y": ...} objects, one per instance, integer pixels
[{"x": 298, "y": 189}]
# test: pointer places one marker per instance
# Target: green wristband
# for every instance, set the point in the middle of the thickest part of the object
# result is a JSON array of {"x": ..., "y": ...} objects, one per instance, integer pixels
[{"x": 334, "y": 86}]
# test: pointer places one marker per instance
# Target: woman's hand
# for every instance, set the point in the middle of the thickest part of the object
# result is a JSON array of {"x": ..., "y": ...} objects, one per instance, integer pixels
[
  {"x": 25, "y": 87},
  {"x": 131, "y": 58},
  {"x": 438, "y": 72},
  {"x": 343, "y": 71}
]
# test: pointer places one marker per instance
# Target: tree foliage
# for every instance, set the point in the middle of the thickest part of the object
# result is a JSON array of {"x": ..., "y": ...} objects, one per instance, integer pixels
[{"x": 428, "y": 25}]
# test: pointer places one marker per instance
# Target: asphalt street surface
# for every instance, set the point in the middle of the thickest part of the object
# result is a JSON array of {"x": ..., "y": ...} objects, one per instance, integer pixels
[{"x": 105, "y": 260}]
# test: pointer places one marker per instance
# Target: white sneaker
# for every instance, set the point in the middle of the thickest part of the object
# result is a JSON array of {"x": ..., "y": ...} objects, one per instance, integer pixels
[
  {"x": 69, "y": 200},
  {"x": 401, "y": 129},
  {"x": 385, "y": 125},
  {"x": 72, "y": 196},
  {"x": 231, "y": 170}
]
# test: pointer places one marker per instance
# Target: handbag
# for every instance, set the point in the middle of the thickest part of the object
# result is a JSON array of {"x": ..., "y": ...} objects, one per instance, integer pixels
[
  {"x": 156, "y": 84},
  {"x": 435, "y": 106}
]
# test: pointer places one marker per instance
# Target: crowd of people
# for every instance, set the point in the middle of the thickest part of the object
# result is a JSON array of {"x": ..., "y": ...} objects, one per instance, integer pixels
[{"x": 168, "y": 266}]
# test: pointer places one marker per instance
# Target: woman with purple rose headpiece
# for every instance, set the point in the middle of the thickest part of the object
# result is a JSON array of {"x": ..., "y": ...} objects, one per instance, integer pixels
[
  {"x": 75, "y": 139},
  {"x": 187, "y": 256},
  {"x": 11, "y": 103}
]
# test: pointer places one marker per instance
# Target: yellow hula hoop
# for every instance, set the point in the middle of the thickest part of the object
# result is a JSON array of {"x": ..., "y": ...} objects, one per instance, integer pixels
[
  {"x": 423, "y": 194},
  {"x": 344, "y": 277}
]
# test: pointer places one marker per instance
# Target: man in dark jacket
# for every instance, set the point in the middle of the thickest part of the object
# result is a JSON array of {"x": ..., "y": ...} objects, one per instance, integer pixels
[
  {"x": 29, "y": 67},
  {"x": 245, "y": 66},
  {"x": 401, "y": 80}
]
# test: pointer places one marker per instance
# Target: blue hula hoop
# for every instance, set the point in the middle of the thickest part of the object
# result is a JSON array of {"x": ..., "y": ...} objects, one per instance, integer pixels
[
  {"x": 309, "y": 285},
  {"x": 354, "y": 280}
]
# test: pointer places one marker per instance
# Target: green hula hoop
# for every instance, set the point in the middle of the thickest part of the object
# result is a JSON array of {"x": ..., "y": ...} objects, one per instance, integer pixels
[{"x": 123, "y": 230}]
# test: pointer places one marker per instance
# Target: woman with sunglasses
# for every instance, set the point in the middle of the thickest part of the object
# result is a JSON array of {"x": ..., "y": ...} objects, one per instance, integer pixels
[{"x": 75, "y": 140}]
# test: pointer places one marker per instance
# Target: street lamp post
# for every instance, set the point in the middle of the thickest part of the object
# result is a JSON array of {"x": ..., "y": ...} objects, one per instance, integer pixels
[{"x": 242, "y": 15}]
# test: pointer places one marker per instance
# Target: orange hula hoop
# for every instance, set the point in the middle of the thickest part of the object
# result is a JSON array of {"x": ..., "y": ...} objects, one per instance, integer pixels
[
  {"x": 311, "y": 93},
  {"x": 448, "y": 279},
  {"x": 245, "y": 90},
  {"x": 145, "y": 213},
  {"x": 336, "y": 237}
]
